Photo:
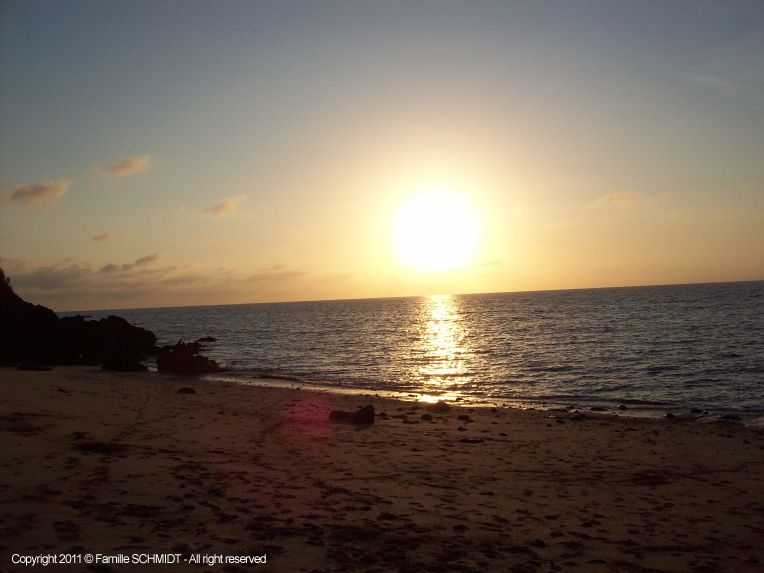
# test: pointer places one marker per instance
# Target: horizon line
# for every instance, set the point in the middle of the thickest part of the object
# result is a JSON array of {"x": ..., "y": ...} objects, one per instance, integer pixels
[{"x": 413, "y": 296}]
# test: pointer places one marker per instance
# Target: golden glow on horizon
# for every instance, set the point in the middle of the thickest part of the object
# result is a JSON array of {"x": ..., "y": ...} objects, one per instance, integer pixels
[{"x": 436, "y": 231}]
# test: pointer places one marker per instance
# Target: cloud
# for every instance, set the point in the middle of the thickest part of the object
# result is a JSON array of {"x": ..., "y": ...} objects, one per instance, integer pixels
[
  {"x": 78, "y": 285},
  {"x": 126, "y": 267},
  {"x": 225, "y": 207},
  {"x": 36, "y": 194},
  {"x": 51, "y": 277},
  {"x": 618, "y": 199},
  {"x": 103, "y": 237},
  {"x": 130, "y": 165},
  {"x": 147, "y": 260}
]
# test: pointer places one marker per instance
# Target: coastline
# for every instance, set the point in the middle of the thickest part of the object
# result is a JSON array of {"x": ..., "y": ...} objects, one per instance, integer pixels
[
  {"x": 118, "y": 463},
  {"x": 568, "y": 404}
]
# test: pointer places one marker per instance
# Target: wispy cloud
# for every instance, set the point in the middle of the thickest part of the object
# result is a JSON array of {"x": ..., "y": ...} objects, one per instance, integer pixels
[
  {"x": 225, "y": 207},
  {"x": 125, "y": 166},
  {"x": 103, "y": 237},
  {"x": 126, "y": 267},
  {"x": 36, "y": 194},
  {"x": 618, "y": 200}
]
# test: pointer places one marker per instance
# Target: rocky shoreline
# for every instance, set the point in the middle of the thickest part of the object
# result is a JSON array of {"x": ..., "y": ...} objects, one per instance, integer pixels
[{"x": 33, "y": 337}]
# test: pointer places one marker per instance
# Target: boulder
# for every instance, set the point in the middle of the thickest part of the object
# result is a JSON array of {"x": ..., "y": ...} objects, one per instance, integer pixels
[
  {"x": 438, "y": 407},
  {"x": 93, "y": 341},
  {"x": 183, "y": 358},
  {"x": 363, "y": 415},
  {"x": 207, "y": 339}
]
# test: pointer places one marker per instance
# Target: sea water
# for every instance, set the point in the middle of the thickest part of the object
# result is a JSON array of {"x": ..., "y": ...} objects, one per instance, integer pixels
[{"x": 651, "y": 349}]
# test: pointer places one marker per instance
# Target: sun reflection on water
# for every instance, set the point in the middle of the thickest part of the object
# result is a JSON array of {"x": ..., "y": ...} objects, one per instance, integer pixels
[{"x": 442, "y": 344}]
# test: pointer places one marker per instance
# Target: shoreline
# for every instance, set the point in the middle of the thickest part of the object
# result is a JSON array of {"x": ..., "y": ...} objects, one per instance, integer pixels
[
  {"x": 121, "y": 463},
  {"x": 632, "y": 409}
]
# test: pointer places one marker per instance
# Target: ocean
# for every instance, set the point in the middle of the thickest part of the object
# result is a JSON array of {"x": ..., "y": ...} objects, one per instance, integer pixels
[{"x": 651, "y": 349}]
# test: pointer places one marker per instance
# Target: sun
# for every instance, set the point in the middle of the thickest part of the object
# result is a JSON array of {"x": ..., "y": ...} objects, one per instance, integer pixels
[{"x": 436, "y": 231}]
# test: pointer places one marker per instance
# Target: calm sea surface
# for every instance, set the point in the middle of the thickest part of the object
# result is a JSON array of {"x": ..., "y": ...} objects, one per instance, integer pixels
[{"x": 650, "y": 348}]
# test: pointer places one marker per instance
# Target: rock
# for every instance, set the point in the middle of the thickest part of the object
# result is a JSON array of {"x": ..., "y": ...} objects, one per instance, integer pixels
[
  {"x": 110, "y": 338},
  {"x": 426, "y": 417},
  {"x": 696, "y": 411},
  {"x": 464, "y": 418},
  {"x": 730, "y": 418},
  {"x": 123, "y": 364},
  {"x": 669, "y": 416},
  {"x": 623, "y": 407},
  {"x": 34, "y": 334},
  {"x": 28, "y": 332},
  {"x": 34, "y": 367},
  {"x": 597, "y": 409},
  {"x": 363, "y": 415},
  {"x": 187, "y": 347},
  {"x": 207, "y": 339},
  {"x": 183, "y": 358},
  {"x": 437, "y": 407},
  {"x": 186, "y": 390}
]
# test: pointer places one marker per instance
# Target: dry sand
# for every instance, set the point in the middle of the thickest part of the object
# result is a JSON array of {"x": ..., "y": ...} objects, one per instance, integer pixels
[{"x": 94, "y": 462}]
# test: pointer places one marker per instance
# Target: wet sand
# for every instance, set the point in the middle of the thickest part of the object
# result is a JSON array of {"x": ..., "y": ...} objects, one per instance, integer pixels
[{"x": 96, "y": 462}]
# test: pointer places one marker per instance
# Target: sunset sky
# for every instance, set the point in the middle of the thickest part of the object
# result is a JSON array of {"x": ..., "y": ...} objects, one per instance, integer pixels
[{"x": 175, "y": 153}]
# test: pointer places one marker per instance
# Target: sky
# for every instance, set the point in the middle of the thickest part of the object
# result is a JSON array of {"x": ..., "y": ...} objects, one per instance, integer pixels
[{"x": 181, "y": 153}]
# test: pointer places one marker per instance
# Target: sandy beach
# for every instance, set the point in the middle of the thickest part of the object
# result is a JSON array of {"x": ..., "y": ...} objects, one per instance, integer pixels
[{"x": 125, "y": 464}]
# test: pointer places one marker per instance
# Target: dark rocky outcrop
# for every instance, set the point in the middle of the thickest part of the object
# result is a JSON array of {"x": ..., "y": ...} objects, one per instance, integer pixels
[
  {"x": 107, "y": 339},
  {"x": 363, "y": 415},
  {"x": 33, "y": 334},
  {"x": 123, "y": 364},
  {"x": 28, "y": 332},
  {"x": 184, "y": 358}
]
